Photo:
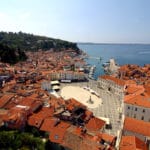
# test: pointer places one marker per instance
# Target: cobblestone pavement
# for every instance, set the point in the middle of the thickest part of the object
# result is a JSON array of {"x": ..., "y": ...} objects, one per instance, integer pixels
[{"x": 109, "y": 108}]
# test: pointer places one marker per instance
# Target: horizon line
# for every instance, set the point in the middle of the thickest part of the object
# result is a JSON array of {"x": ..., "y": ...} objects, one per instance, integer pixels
[{"x": 112, "y": 43}]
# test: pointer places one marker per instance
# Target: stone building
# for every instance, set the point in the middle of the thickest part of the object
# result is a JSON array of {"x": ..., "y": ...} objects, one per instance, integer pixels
[
  {"x": 112, "y": 85},
  {"x": 138, "y": 107}
]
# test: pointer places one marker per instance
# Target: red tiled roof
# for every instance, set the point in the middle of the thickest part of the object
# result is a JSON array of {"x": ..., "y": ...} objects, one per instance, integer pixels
[
  {"x": 130, "y": 82},
  {"x": 5, "y": 99},
  {"x": 140, "y": 100},
  {"x": 51, "y": 124},
  {"x": 37, "y": 118},
  {"x": 48, "y": 124},
  {"x": 33, "y": 96},
  {"x": 113, "y": 79},
  {"x": 147, "y": 89},
  {"x": 34, "y": 104},
  {"x": 57, "y": 136},
  {"x": 137, "y": 126},
  {"x": 57, "y": 131},
  {"x": 95, "y": 124},
  {"x": 35, "y": 121},
  {"x": 27, "y": 101},
  {"x": 37, "y": 104},
  {"x": 18, "y": 116},
  {"x": 132, "y": 143},
  {"x": 72, "y": 103},
  {"x": 123, "y": 68},
  {"x": 3, "y": 113},
  {"x": 107, "y": 137},
  {"x": 136, "y": 89},
  {"x": 88, "y": 115}
]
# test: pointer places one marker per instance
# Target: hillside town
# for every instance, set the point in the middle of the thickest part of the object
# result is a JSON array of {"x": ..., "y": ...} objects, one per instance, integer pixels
[{"x": 115, "y": 115}]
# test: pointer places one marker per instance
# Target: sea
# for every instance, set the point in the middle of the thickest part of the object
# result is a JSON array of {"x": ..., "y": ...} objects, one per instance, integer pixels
[{"x": 122, "y": 53}]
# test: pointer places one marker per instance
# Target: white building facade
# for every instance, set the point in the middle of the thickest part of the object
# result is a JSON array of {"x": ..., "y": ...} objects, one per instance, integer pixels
[
  {"x": 67, "y": 75},
  {"x": 108, "y": 84},
  {"x": 137, "y": 112}
]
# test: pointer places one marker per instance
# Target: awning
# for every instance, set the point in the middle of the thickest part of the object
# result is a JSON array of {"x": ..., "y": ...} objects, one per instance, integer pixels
[{"x": 55, "y": 82}]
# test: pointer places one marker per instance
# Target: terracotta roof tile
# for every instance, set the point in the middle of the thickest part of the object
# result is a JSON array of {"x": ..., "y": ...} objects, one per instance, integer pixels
[
  {"x": 132, "y": 143},
  {"x": 37, "y": 118},
  {"x": 137, "y": 126},
  {"x": 3, "y": 113},
  {"x": 57, "y": 136},
  {"x": 48, "y": 124},
  {"x": 34, "y": 104},
  {"x": 95, "y": 124},
  {"x": 140, "y": 100},
  {"x": 135, "y": 89},
  {"x": 113, "y": 79},
  {"x": 107, "y": 137},
  {"x": 57, "y": 129},
  {"x": 35, "y": 121},
  {"x": 72, "y": 103},
  {"x": 130, "y": 82},
  {"x": 17, "y": 116},
  {"x": 5, "y": 99}
]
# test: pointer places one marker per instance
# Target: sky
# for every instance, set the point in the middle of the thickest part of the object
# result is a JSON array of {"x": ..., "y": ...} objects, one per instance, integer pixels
[{"x": 99, "y": 21}]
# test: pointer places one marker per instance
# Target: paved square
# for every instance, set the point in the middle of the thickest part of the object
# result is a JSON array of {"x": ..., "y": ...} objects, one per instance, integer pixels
[{"x": 107, "y": 108}]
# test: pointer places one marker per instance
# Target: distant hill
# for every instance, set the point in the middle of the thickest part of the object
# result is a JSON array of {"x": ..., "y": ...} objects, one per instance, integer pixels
[
  {"x": 14, "y": 45},
  {"x": 11, "y": 55},
  {"x": 32, "y": 42}
]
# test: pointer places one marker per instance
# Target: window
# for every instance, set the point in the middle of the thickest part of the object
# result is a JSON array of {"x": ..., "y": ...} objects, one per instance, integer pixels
[
  {"x": 143, "y": 110},
  {"x": 134, "y": 115},
  {"x": 128, "y": 107},
  {"x": 109, "y": 89},
  {"x": 135, "y": 109},
  {"x": 142, "y": 118}
]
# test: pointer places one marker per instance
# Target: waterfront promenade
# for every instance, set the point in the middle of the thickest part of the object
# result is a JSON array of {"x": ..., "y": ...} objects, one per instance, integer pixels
[{"x": 109, "y": 107}]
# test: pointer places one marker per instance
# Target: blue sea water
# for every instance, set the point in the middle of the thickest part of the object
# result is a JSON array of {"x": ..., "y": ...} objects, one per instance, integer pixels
[{"x": 123, "y": 54}]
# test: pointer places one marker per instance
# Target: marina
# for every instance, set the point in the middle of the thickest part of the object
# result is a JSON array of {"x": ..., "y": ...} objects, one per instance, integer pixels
[{"x": 122, "y": 53}]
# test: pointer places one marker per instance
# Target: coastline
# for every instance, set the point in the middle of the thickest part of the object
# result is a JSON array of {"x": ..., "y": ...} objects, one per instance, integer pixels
[{"x": 122, "y": 53}]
